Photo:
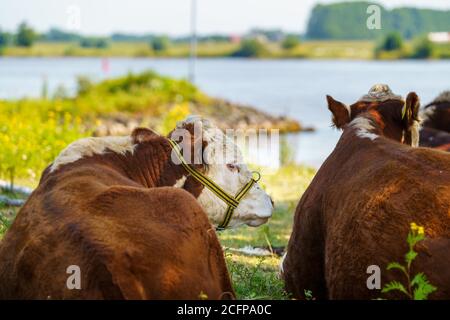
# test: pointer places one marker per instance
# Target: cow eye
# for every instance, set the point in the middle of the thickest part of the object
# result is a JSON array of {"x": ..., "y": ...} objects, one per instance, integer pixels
[{"x": 232, "y": 167}]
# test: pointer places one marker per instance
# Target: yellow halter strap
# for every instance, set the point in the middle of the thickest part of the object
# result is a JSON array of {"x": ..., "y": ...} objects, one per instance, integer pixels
[{"x": 231, "y": 201}]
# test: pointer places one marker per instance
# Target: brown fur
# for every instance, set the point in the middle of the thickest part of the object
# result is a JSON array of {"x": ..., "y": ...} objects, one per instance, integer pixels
[
  {"x": 440, "y": 118},
  {"x": 433, "y": 138},
  {"x": 436, "y": 126},
  {"x": 358, "y": 209},
  {"x": 112, "y": 215},
  {"x": 444, "y": 147}
]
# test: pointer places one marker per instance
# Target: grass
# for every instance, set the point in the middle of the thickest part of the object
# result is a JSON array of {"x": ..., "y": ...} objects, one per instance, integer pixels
[
  {"x": 117, "y": 49},
  {"x": 7, "y": 214},
  {"x": 257, "y": 277},
  {"x": 308, "y": 49}
]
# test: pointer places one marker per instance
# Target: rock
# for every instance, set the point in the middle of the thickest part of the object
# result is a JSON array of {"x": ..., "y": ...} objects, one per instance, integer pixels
[{"x": 222, "y": 112}]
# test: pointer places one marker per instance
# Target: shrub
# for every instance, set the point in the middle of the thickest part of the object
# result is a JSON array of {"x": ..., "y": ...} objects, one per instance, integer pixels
[
  {"x": 31, "y": 140},
  {"x": 423, "y": 49},
  {"x": 290, "y": 42},
  {"x": 169, "y": 121},
  {"x": 84, "y": 85},
  {"x": 159, "y": 44},
  {"x": 4, "y": 39},
  {"x": 99, "y": 43},
  {"x": 25, "y": 35},
  {"x": 393, "y": 41},
  {"x": 251, "y": 48}
]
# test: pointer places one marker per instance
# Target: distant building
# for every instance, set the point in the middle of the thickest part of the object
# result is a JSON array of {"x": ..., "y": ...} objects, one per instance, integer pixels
[
  {"x": 263, "y": 35},
  {"x": 439, "y": 37},
  {"x": 235, "y": 39}
]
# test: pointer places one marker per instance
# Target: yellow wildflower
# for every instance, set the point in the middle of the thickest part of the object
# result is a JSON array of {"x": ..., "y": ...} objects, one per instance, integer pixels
[
  {"x": 203, "y": 296},
  {"x": 414, "y": 226},
  {"x": 421, "y": 231}
]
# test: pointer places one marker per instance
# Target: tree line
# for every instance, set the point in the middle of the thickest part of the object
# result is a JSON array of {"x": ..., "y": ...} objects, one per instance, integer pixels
[{"x": 347, "y": 21}]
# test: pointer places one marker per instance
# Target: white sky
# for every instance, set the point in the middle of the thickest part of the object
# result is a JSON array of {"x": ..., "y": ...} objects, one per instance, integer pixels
[{"x": 171, "y": 16}]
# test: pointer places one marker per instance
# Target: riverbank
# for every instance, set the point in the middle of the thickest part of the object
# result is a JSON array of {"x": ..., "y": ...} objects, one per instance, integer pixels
[
  {"x": 34, "y": 130},
  {"x": 358, "y": 50}
]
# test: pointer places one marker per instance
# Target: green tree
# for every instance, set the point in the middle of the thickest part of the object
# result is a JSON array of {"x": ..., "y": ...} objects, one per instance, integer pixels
[
  {"x": 160, "y": 44},
  {"x": 91, "y": 42},
  {"x": 347, "y": 20},
  {"x": 251, "y": 48},
  {"x": 423, "y": 49},
  {"x": 25, "y": 35},
  {"x": 4, "y": 39},
  {"x": 290, "y": 42},
  {"x": 393, "y": 41}
]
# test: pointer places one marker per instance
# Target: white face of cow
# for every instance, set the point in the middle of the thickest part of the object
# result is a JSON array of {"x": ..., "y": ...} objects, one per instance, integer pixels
[{"x": 225, "y": 166}]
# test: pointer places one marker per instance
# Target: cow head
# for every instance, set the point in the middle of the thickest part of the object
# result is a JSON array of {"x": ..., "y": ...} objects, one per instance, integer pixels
[
  {"x": 380, "y": 113},
  {"x": 216, "y": 156}
]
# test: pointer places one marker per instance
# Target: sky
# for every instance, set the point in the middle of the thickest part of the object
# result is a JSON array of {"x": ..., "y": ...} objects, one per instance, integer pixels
[{"x": 102, "y": 17}]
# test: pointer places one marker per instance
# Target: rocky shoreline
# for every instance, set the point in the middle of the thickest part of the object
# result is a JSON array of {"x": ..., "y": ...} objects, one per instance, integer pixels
[{"x": 224, "y": 114}]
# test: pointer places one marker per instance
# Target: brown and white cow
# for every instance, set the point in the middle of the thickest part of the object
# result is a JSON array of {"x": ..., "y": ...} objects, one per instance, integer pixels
[
  {"x": 357, "y": 211},
  {"x": 435, "y": 132},
  {"x": 120, "y": 210}
]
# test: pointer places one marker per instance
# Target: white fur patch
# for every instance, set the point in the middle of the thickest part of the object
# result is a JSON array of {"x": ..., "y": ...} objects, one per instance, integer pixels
[
  {"x": 363, "y": 128},
  {"x": 348, "y": 110},
  {"x": 281, "y": 267},
  {"x": 426, "y": 113},
  {"x": 90, "y": 146},
  {"x": 180, "y": 182}
]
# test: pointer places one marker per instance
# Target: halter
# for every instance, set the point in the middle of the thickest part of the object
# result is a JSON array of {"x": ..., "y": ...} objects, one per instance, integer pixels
[{"x": 231, "y": 201}]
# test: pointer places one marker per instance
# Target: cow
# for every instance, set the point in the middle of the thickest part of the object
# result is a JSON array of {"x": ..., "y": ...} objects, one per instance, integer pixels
[
  {"x": 119, "y": 218},
  {"x": 433, "y": 138},
  {"x": 435, "y": 132},
  {"x": 436, "y": 114},
  {"x": 357, "y": 211}
]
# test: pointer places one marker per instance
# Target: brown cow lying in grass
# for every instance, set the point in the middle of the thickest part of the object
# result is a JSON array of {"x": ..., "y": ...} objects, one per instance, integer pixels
[
  {"x": 437, "y": 113},
  {"x": 109, "y": 207},
  {"x": 357, "y": 211},
  {"x": 436, "y": 123}
]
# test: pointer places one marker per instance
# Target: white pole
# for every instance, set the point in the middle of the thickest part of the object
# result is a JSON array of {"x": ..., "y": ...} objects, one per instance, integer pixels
[{"x": 193, "y": 54}]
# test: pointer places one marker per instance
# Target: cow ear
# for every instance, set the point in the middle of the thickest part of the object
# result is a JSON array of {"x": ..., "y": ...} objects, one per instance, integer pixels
[
  {"x": 410, "y": 111},
  {"x": 340, "y": 111},
  {"x": 140, "y": 135}
]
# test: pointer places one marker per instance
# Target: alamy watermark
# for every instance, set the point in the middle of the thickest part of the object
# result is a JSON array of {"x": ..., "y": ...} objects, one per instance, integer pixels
[
  {"x": 257, "y": 146},
  {"x": 74, "y": 280},
  {"x": 373, "y": 22},
  {"x": 374, "y": 280},
  {"x": 73, "y": 22}
]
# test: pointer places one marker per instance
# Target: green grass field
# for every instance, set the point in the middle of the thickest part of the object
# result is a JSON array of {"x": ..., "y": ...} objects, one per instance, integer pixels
[
  {"x": 310, "y": 49},
  {"x": 117, "y": 49},
  {"x": 329, "y": 49}
]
